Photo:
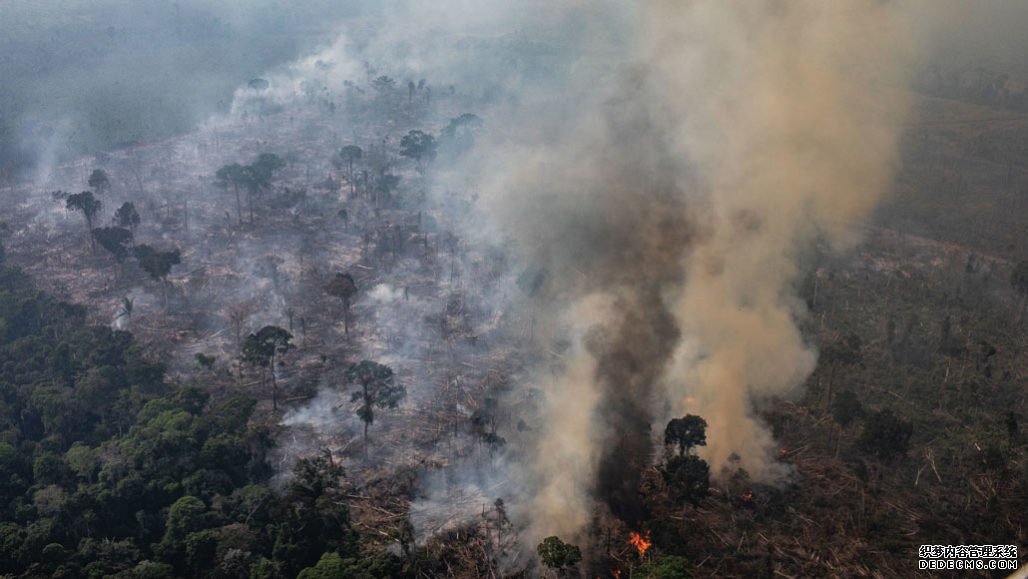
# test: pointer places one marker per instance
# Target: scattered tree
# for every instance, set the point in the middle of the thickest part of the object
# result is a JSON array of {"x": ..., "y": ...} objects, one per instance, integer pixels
[
  {"x": 253, "y": 178},
  {"x": 204, "y": 361},
  {"x": 343, "y": 287},
  {"x": 263, "y": 348},
  {"x": 265, "y": 167},
  {"x": 348, "y": 155},
  {"x": 557, "y": 554},
  {"x": 378, "y": 389},
  {"x": 115, "y": 240},
  {"x": 385, "y": 185},
  {"x": 89, "y": 206},
  {"x": 99, "y": 181},
  {"x": 685, "y": 433},
  {"x": 157, "y": 264},
  {"x": 234, "y": 176},
  {"x": 418, "y": 145},
  {"x": 127, "y": 216},
  {"x": 458, "y": 136}
]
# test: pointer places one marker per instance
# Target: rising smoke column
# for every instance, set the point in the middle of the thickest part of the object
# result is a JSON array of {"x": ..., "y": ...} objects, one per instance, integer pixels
[
  {"x": 669, "y": 204},
  {"x": 790, "y": 112},
  {"x": 665, "y": 179},
  {"x": 590, "y": 194}
]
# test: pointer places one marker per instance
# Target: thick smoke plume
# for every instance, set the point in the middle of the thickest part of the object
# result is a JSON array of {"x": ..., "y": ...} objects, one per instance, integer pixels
[
  {"x": 791, "y": 113},
  {"x": 668, "y": 196},
  {"x": 659, "y": 169}
]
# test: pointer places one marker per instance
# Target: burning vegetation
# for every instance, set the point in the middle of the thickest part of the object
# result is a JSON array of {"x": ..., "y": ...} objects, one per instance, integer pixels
[
  {"x": 613, "y": 297},
  {"x": 642, "y": 543}
]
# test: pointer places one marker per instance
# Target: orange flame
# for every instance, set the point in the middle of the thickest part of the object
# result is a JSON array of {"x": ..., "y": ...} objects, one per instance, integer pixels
[
  {"x": 640, "y": 542},
  {"x": 747, "y": 496},
  {"x": 617, "y": 573}
]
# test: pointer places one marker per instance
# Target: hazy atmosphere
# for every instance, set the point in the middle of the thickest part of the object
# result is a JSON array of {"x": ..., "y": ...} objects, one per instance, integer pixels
[{"x": 521, "y": 288}]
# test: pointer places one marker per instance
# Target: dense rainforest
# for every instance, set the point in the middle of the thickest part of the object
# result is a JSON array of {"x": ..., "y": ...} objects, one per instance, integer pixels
[{"x": 106, "y": 470}]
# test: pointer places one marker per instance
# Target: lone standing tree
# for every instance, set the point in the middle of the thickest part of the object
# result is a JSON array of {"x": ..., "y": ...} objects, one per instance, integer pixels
[
  {"x": 418, "y": 145},
  {"x": 99, "y": 181},
  {"x": 686, "y": 475},
  {"x": 89, "y": 206},
  {"x": 157, "y": 264},
  {"x": 378, "y": 389},
  {"x": 343, "y": 287},
  {"x": 261, "y": 350},
  {"x": 348, "y": 155},
  {"x": 127, "y": 216},
  {"x": 685, "y": 433},
  {"x": 234, "y": 176}
]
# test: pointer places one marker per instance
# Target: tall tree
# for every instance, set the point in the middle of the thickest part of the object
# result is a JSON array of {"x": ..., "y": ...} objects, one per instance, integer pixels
[
  {"x": 557, "y": 554},
  {"x": 89, "y": 206},
  {"x": 157, "y": 264},
  {"x": 687, "y": 477},
  {"x": 343, "y": 287},
  {"x": 116, "y": 240},
  {"x": 1019, "y": 281},
  {"x": 99, "y": 181},
  {"x": 418, "y": 145},
  {"x": 459, "y": 135},
  {"x": 232, "y": 176},
  {"x": 265, "y": 167},
  {"x": 127, "y": 216},
  {"x": 348, "y": 155},
  {"x": 685, "y": 433},
  {"x": 261, "y": 350},
  {"x": 378, "y": 389},
  {"x": 253, "y": 178}
]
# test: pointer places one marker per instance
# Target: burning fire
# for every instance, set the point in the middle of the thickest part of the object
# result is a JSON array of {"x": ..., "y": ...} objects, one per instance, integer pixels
[
  {"x": 617, "y": 573},
  {"x": 640, "y": 542},
  {"x": 747, "y": 496}
]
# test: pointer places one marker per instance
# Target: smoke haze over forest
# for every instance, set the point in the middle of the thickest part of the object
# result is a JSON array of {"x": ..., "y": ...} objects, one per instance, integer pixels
[{"x": 473, "y": 262}]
